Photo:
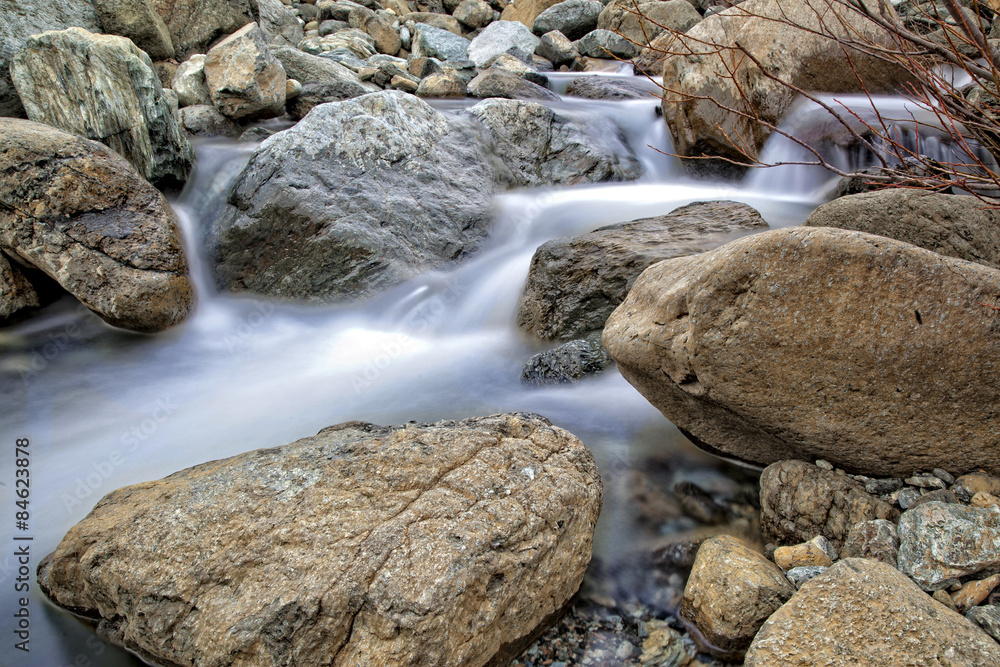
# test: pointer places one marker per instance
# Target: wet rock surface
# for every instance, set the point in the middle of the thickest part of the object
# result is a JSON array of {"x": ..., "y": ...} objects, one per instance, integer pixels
[{"x": 362, "y": 543}]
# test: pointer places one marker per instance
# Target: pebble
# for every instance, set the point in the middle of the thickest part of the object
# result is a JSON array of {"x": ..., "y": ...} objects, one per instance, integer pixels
[
  {"x": 925, "y": 482},
  {"x": 974, "y": 592},
  {"x": 809, "y": 553},
  {"x": 940, "y": 495},
  {"x": 880, "y": 487},
  {"x": 800, "y": 575},
  {"x": 943, "y": 475},
  {"x": 876, "y": 539},
  {"x": 945, "y": 599},
  {"x": 907, "y": 498}
]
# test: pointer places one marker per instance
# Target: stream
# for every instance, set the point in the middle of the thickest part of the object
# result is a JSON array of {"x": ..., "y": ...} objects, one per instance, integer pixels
[{"x": 104, "y": 408}]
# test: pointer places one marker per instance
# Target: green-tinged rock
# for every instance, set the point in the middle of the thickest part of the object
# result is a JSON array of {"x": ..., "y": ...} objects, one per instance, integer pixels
[{"x": 940, "y": 542}]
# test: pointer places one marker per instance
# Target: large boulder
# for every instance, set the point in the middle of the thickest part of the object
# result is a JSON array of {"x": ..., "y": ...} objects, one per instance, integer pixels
[
  {"x": 573, "y": 18},
  {"x": 525, "y": 11},
  {"x": 453, "y": 543},
  {"x": 495, "y": 82},
  {"x": 195, "y": 25},
  {"x": 103, "y": 87},
  {"x": 952, "y": 225},
  {"x": 306, "y": 68},
  {"x": 137, "y": 20},
  {"x": 243, "y": 78},
  {"x": 80, "y": 213},
  {"x": 698, "y": 87},
  {"x": 502, "y": 37},
  {"x": 431, "y": 42},
  {"x": 863, "y": 612},
  {"x": 359, "y": 196},
  {"x": 279, "y": 23},
  {"x": 808, "y": 343},
  {"x": 20, "y": 20},
  {"x": 575, "y": 283},
  {"x": 657, "y": 17}
]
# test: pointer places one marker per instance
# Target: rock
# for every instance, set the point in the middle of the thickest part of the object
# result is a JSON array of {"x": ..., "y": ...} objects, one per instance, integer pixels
[
  {"x": 306, "y": 69},
  {"x": 502, "y": 37},
  {"x": 974, "y": 592},
  {"x": 573, "y": 18},
  {"x": 495, "y": 82},
  {"x": 431, "y": 42},
  {"x": 875, "y": 539},
  {"x": 799, "y": 501},
  {"x": 908, "y": 497},
  {"x": 698, "y": 503},
  {"x": 984, "y": 500},
  {"x": 953, "y": 225},
  {"x": 925, "y": 482},
  {"x": 556, "y": 47},
  {"x": 18, "y": 296},
  {"x": 314, "y": 94},
  {"x": 595, "y": 88},
  {"x": 574, "y": 284},
  {"x": 732, "y": 590},
  {"x": 542, "y": 147},
  {"x": 244, "y": 79},
  {"x": 565, "y": 364},
  {"x": 195, "y": 25},
  {"x": 279, "y": 23},
  {"x": 330, "y": 27},
  {"x": 988, "y": 618},
  {"x": 355, "y": 41},
  {"x": 944, "y": 476},
  {"x": 442, "y": 84},
  {"x": 510, "y": 64},
  {"x": 204, "y": 120},
  {"x": 525, "y": 11},
  {"x": 605, "y": 44},
  {"x": 800, "y": 575},
  {"x": 979, "y": 481},
  {"x": 664, "y": 647},
  {"x": 755, "y": 356},
  {"x": 440, "y": 21},
  {"x": 79, "y": 212},
  {"x": 940, "y": 542},
  {"x": 137, "y": 20},
  {"x": 23, "y": 19},
  {"x": 256, "y": 134},
  {"x": 292, "y": 89},
  {"x": 650, "y": 60},
  {"x": 619, "y": 17},
  {"x": 102, "y": 87},
  {"x": 385, "y": 39},
  {"x": 863, "y": 612},
  {"x": 189, "y": 82},
  {"x": 809, "y": 553},
  {"x": 878, "y": 487},
  {"x": 943, "y": 598},
  {"x": 941, "y": 495},
  {"x": 325, "y": 211},
  {"x": 474, "y": 14},
  {"x": 451, "y": 543},
  {"x": 699, "y": 85},
  {"x": 404, "y": 84}
]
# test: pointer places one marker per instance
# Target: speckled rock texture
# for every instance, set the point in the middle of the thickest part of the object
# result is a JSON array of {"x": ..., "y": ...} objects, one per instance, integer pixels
[
  {"x": 821, "y": 343},
  {"x": 443, "y": 544},
  {"x": 799, "y": 501},
  {"x": 79, "y": 212},
  {"x": 17, "y": 295},
  {"x": 699, "y": 85},
  {"x": 863, "y": 612},
  {"x": 137, "y": 20},
  {"x": 103, "y": 87},
  {"x": 953, "y": 225},
  {"x": 732, "y": 590},
  {"x": 940, "y": 542},
  {"x": 877, "y": 539},
  {"x": 195, "y": 25},
  {"x": 244, "y": 80},
  {"x": 575, "y": 283}
]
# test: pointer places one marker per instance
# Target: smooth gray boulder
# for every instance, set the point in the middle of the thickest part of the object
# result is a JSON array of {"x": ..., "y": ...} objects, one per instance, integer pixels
[
  {"x": 542, "y": 147},
  {"x": 431, "y": 42},
  {"x": 103, "y": 87},
  {"x": 357, "y": 197},
  {"x": 573, "y": 18},
  {"x": 495, "y": 82},
  {"x": 575, "y": 283},
  {"x": 556, "y": 48},
  {"x": 81, "y": 214},
  {"x": 605, "y": 44},
  {"x": 204, "y": 120},
  {"x": 20, "y": 20},
  {"x": 502, "y": 37}
]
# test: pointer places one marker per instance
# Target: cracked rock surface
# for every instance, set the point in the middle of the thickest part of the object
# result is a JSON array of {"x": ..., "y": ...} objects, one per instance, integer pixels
[
  {"x": 452, "y": 543},
  {"x": 820, "y": 343}
]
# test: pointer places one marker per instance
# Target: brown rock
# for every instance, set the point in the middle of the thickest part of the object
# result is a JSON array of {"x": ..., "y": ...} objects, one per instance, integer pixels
[
  {"x": 731, "y": 592},
  {"x": 799, "y": 501},
  {"x": 872, "y": 539},
  {"x": 452, "y": 543},
  {"x": 790, "y": 41},
  {"x": 980, "y": 481},
  {"x": 79, "y": 212},
  {"x": 953, "y": 225},
  {"x": 974, "y": 592},
  {"x": 820, "y": 343},
  {"x": 442, "y": 84},
  {"x": 802, "y": 555},
  {"x": 195, "y": 25},
  {"x": 575, "y": 283},
  {"x": 525, "y": 11},
  {"x": 137, "y": 20},
  {"x": 863, "y": 612},
  {"x": 244, "y": 79},
  {"x": 983, "y": 499},
  {"x": 657, "y": 16},
  {"x": 17, "y": 295}
]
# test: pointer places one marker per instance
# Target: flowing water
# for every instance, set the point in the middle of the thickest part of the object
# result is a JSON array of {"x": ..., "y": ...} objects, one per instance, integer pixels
[{"x": 104, "y": 408}]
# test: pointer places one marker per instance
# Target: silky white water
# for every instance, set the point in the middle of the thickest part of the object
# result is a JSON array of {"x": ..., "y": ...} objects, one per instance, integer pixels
[{"x": 103, "y": 408}]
